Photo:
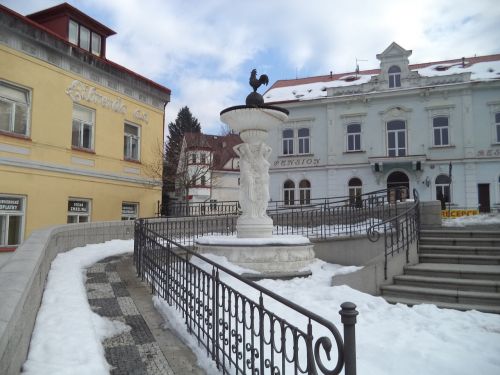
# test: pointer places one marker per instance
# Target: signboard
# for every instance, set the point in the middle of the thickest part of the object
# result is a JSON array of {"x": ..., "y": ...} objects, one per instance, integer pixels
[
  {"x": 11, "y": 204},
  {"x": 458, "y": 213},
  {"x": 78, "y": 206}
]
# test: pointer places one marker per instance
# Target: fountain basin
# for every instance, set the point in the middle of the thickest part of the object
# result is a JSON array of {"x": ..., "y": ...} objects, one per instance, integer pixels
[{"x": 242, "y": 118}]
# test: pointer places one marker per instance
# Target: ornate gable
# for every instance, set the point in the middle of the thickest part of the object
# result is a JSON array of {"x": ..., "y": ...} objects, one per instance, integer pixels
[{"x": 393, "y": 63}]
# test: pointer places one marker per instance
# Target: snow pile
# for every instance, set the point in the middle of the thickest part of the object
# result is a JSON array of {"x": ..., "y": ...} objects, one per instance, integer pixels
[
  {"x": 464, "y": 221},
  {"x": 68, "y": 334},
  {"x": 275, "y": 240}
]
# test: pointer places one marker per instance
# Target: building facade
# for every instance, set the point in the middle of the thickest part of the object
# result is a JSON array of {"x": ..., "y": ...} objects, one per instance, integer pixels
[
  {"x": 401, "y": 124},
  {"x": 77, "y": 131},
  {"x": 208, "y": 169}
]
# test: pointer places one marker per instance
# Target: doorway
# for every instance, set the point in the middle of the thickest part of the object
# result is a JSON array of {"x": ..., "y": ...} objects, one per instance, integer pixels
[
  {"x": 483, "y": 194},
  {"x": 399, "y": 180}
]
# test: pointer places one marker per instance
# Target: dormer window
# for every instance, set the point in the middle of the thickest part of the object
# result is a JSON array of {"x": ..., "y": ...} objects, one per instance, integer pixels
[
  {"x": 394, "y": 76},
  {"x": 84, "y": 38}
]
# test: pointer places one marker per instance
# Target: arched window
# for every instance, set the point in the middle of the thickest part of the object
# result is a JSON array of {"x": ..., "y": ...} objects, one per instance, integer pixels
[
  {"x": 289, "y": 192},
  {"x": 287, "y": 141},
  {"x": 396, "y": 138},
  {"x": 443, "y": 189},
  {"x": 355, "y": 191},
  {"x": 394, "y": 76},
  {"x": 305, "y": 192},
  {"x": 303, "y": 134}
]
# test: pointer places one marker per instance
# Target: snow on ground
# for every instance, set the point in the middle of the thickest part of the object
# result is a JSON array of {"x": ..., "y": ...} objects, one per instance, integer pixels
[
  {"x": 484, "y": 219},
  {"x": 391, "y": 339},
  {"x": 67, "y": 336}
]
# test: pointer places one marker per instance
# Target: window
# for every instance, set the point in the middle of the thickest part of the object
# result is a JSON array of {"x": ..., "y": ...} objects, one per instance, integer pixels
[
  {"x": 354, "y": 137},
  {"x": 193, "y": 158},
  {"x": 355, "y": 190},
  {"x": 396, "y": 138},
  {"x": 203, "y": 180},
  {"x": 288, "y": 142},
  {"x": 14, "y": 109},
  {"x": 130, "y": 211},
  {"x": 83, "y": 127},
  {"x": 289, "y": 193},
  {"x": 497, "y": 126},
  {"x": 443, "y": 189},
  {"x": 440, "y": 127},
  {"x": 303, "y": 141},
  {"x": 84, "y": 38},
  {"x": 11, "y": 220},
  {"x": 305, "y": 192},
  {"x": 203, "y": 159},
  {"x": 131, "y": 142},
  {"x": 394, "y": 76},
  {"x": 78, "y": 211}
]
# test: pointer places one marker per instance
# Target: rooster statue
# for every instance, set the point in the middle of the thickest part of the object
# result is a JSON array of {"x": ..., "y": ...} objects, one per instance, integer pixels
[
  {"x": 256, "y": 83},
  {"x": 254, "y": 99}
]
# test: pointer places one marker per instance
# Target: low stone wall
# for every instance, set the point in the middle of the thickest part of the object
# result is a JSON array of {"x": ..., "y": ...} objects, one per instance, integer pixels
[{"x": 22, "y": 281}]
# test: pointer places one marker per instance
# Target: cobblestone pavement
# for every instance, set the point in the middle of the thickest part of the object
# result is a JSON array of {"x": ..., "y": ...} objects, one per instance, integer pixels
[{"x": 136, "y": 351}]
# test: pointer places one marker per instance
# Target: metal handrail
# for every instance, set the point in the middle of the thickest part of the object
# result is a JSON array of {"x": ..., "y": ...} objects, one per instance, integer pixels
[
  {"x": 399, "y": 231},
  {"x": 207, "y": 305}
]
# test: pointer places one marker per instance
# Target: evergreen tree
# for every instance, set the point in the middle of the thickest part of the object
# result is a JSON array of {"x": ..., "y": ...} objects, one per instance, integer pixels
[{"x": 184, "y": 123}]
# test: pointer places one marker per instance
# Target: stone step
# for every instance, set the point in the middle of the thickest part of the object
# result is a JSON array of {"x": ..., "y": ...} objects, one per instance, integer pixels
[
  {"x": 460, "y": 259},
  {"x": 458, "y": 241},
  {"x": 442, "y": 295},
  {"x": 448, "y": 283},
  {"x": 459, "y": 271},
  {"x": 451, "y": 249},
  {"x": 460, "y": 233},
  {"x": 444, "y": 305}
]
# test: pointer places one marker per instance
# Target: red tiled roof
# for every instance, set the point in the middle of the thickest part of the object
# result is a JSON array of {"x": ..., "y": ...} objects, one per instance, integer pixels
[
  {"x": 326, "y": 78},
  {"x": 103, "y": 60},
  {"x": 220, "y": 145}
]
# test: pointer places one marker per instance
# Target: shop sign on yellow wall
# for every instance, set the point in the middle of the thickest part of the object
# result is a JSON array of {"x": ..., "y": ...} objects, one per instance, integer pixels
[{"x": 458, "y": 213}]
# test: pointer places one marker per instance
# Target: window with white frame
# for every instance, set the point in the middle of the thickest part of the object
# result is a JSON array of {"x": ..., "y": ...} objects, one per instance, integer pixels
[
  {"x": 14, "y": 109},
  {"x": 84, "y": 38},
  {"x": 289, "y": 193},
  {"x": 82, "y": 135},
  {"x": 203, "y": 158},
  {"x": 193, "y": 158},
  {"x": 78, "y": 210},
  {"x": 131, "y": 142},
  {"x": 497, "y": 126},
  {"x": 12, "y": 211},
  {"x": 130, "y": 211},
  {"x": 304, "y": 140},
  {"x": 287, "y": 141},
  {"x": 396, "y": 138},
  {"x": 394, "y": 73},
  {"x": 443, "y": 188},
  {"x": 440, "y": 125},
  {"x": 305, "y": 192},
  {"x": 203, "y": 180},
  {"x": 355, "y": 190},
  {"x": 353, "y": 137}
]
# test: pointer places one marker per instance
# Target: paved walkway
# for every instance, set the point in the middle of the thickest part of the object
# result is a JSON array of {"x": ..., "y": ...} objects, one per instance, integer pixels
[{"x": 150, "y": 347}]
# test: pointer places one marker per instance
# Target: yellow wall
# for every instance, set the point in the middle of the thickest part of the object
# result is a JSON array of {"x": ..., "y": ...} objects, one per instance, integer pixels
[{"x": 49, "y": 143}]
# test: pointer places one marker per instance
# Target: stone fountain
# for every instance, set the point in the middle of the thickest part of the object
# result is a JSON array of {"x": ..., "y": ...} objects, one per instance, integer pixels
[{"x": 255, "y": 246}]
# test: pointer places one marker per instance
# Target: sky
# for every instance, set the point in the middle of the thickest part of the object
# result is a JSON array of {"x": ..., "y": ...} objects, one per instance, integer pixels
[{"x": 204, "y": 50}]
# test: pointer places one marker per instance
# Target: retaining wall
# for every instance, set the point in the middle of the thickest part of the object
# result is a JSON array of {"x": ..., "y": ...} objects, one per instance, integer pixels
[{"x": 22, "y": 281}]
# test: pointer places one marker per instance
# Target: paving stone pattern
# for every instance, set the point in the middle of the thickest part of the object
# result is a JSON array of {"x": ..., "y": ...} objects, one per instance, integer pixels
[{"x": 134, "y": 352}]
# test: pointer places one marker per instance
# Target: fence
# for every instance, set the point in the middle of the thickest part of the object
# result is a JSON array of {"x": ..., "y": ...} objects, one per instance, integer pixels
[
  {"x": 399, "y": 231},
  {"x": 241, "y": 333}
]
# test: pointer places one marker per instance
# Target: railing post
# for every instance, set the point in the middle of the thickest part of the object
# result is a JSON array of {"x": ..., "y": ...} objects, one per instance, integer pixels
[{"x": 348, "y": 314}]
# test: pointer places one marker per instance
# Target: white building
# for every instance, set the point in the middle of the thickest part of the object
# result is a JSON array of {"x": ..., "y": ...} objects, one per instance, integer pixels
[
  {"x": 401, "y": 124},
  {"x": 211, "y": 167}
]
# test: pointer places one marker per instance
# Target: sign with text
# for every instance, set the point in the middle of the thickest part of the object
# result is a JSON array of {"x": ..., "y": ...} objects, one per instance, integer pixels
[
  {"x": 458, "y": 213},
  {"x": 129, "y": 209},
  {"x": 11, "y": 204},
  {"x": 78, "y": 206},
  {"x": 296, "y": 162}
]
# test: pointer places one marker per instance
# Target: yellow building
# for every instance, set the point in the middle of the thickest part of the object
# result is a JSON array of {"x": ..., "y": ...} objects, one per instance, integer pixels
[{"x": 79, "y": 134}]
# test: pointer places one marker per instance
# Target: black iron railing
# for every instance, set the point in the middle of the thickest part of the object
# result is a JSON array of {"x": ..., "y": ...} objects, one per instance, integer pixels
[
  {"x": 321, "y": 219},
  {"x": 241, "y": 333},
  {"x": 399, "y": 231},
  {"x": 180, "y": 209}
]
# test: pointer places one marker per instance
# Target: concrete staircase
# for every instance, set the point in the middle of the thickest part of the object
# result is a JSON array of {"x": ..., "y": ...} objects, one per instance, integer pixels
[{"x": 458, "y": 269}]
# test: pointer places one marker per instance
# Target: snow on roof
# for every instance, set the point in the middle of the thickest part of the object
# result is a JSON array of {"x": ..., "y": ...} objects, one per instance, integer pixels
[{"x": 482, "y": 68}]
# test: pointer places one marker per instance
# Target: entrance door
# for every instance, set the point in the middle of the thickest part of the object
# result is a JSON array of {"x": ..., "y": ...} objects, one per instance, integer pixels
[
  {"x": 483, "y": 192},
  {"x": 399, "y": 180}
]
